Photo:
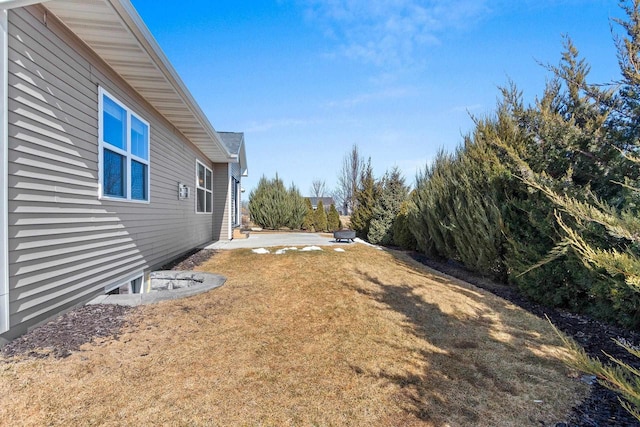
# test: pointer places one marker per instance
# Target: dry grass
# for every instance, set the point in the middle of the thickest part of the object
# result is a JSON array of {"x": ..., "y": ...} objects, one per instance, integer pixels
[{"x": 356, "y": 338}]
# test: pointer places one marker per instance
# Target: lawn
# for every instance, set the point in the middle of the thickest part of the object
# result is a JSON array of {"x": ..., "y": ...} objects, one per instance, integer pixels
[{"x": 364, "y": 337}]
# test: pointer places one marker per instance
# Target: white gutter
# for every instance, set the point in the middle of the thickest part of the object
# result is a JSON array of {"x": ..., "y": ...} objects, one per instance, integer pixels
[
  {"x": 4, "y": 173},
  {"x": 139, "y": 29}
]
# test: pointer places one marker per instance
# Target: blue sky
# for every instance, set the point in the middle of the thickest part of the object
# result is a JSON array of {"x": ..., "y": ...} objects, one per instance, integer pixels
[{"x": 307, "y": 79}]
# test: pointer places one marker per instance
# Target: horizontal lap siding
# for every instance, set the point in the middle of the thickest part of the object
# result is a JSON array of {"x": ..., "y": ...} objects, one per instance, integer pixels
[
  {"x": 65, "y": 244},
  {"x": 221, "y": 202},
  {"x": 235, "y": 170}
]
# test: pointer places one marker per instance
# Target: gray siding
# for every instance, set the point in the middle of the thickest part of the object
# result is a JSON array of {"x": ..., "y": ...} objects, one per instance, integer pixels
[
  {"x": 65, "y": 244},
  {"x": 235, "y": 170},
  {"x": 221, "y": 202}
]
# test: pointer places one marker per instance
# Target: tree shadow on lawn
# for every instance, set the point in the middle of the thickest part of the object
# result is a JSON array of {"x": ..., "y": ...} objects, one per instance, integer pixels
[{"x": 477, "y": 357}]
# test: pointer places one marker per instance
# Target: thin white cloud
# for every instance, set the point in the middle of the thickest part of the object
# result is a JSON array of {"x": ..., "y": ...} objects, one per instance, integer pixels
[{"x": 390, "y": 33}]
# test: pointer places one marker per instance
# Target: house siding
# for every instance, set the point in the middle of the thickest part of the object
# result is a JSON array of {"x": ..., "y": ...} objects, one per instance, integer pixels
[
  {"x": 235, "y": 170},
  {"x": 221, "y": 202},
  {"x": 65, "y": 244}
]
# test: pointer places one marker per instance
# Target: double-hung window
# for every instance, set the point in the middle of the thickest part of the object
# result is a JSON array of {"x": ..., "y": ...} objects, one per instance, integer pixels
[
  {"x": 204, "y": 188},
  {"x": 124, "y": 151}
]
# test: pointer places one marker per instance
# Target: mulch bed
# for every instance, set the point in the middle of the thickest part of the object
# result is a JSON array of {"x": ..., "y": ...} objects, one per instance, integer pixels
[
  {"x": 64, "y": 335},
  {"x": 191, "y": 260},
  {"x": 602, "y": 407}
]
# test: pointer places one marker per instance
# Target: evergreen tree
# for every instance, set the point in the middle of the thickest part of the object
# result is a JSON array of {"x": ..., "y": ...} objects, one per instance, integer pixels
[
  {"x": 309, "y": 217},
  {"x": 272, "y": 206},
  {"x": 257, "y": 200},
  {"x": 320, "y": 220},
  {"x": 555, "y": 186},
  {"x": 393, "y": 192},
  {"x": 455, "y": 212},
  {"x": 402, "y": 235},
  {"x": 365, "y": 200},
  {"x": 267, "y": 203},
  {"x": 333, "y": 218},
  {"x": 598, "y": 223},
  {"x": 297, "y": 209}
]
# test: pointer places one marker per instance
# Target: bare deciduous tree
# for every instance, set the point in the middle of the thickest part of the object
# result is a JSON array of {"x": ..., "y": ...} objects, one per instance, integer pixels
[
  {"x": 348, "y": 176},
  {"x": 318, "y": 188}
]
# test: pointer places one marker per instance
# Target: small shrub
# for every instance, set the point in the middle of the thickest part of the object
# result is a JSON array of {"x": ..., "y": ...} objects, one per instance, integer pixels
[
  {"x": 320, "y": 221},
  {"x": 309, "y": 216},
  {"x": 333, "y": 218}
]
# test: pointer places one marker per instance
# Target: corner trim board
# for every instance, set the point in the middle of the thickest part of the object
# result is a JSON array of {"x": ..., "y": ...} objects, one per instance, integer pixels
[{"x": 5, "y": 316}]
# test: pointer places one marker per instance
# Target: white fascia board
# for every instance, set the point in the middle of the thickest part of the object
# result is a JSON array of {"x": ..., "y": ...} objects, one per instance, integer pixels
[
  {"x": 244, "y": 168},
  {"x": 4, "y": 174},
  {"x": 139, "y": 29},
  {"x": 12, "y": 4}
]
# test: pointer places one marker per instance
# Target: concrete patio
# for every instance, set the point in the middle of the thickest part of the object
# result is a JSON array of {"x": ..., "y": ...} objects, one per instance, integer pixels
[{"x": 265, "y": 240}]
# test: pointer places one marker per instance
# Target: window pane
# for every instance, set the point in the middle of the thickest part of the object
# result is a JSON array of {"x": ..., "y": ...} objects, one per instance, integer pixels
[
  {"x": 136, "y": 285},
  {"x": 208, "y": 186},
  {"x": 139, "y": 139},
  {"x": 114, "y": 123},
  {"x": 200, "y": 175},
  {"x": 208, "y": 202},
  {"x": 201, "y": 200},
  {"x": 138, "y": 180},
  {"x": 114, "y": 173}
]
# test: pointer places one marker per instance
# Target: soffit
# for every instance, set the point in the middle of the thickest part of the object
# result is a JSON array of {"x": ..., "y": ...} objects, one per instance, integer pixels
[{"x": 115, "y": 31}]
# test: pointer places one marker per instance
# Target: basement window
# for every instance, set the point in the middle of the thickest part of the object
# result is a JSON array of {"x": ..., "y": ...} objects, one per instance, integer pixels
[{"x": 132, "y": 286}]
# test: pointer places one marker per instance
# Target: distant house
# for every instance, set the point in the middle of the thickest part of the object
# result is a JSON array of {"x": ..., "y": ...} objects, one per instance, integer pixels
[
  {"x": 109, "y": 168},
  {"x": 326, "y": 202}
]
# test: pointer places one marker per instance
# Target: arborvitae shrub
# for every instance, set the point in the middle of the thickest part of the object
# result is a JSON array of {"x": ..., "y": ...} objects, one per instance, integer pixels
[
  {"x": 272, "y": 206},
  {"x": 333, "y": 218},
  {"x": 320, "y": 222},
  {"x": 365, "y": 200},
  {"x": 267, "y": 203},
  {"x": 401, "y": 229},
  {"x": 297, "y": 209},
  {"x": 309, "y": 216}
]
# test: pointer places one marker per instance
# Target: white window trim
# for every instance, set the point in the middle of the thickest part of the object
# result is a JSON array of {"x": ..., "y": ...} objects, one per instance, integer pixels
[
  {"x": 127, "y": 153},
  {"x": 127, "y": 282},
  {"x": 206, "y": 168},
  {"x": 5, "y": 316}
]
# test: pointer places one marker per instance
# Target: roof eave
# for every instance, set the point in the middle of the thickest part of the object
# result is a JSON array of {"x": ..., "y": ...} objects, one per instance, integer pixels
[
  {"x": 12, "y": 4},
  {"x": 144, "y": 36},
  {"x": 140, "y": 35}
]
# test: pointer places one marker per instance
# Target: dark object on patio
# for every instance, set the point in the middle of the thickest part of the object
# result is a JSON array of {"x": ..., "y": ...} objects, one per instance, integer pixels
[{"x": 344, "y": 235}]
